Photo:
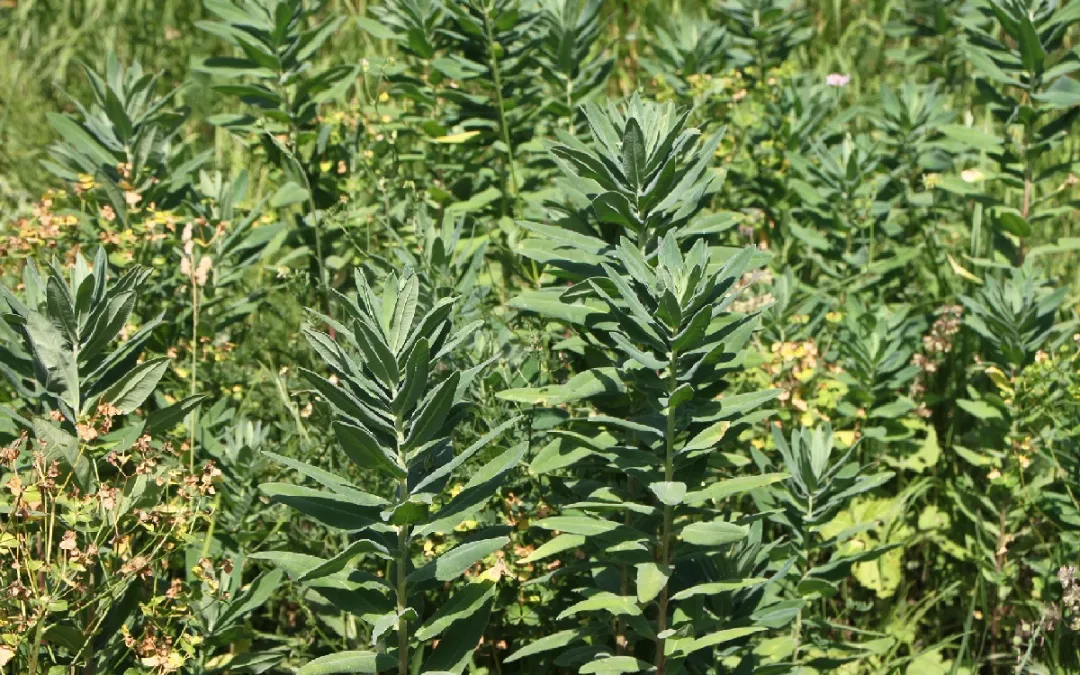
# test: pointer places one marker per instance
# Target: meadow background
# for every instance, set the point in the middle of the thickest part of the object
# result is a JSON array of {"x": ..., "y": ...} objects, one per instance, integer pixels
[{"x": 539, "y": 336}]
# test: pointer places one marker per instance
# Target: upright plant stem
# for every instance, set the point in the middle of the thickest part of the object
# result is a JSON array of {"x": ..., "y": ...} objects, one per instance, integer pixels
[
  {"x": 497, "y": 77},
  {"x": 194, "y": 365},
  {"x": 669, "y": 515},
  {"x": 402, "y": 600},
  {"x": 402, "y": 560}
]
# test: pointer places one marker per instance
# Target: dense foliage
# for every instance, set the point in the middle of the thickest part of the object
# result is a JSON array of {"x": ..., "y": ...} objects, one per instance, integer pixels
[{"x": 539, "y": 336}]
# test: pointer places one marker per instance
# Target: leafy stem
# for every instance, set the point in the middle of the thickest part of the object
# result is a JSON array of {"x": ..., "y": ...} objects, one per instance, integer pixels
[
  {"x": 496, "y": 76},
  {"x": 669, "y": 511}
]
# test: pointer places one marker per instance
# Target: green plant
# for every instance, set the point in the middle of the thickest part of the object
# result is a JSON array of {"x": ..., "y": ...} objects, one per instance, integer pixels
[
  {"x": 820, "y": 485},
  {"x": 97, "y": 497},
  {"x": 394, "y": 414},
  {"x": 285, "y": 96},
  {"x": 127, "y": 145},
  {"x": 1025, "y": 84}
]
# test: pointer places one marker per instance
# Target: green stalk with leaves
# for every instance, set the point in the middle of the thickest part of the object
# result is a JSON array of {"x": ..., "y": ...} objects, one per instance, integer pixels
[
  {"x": 395, "y": 408},
  {"x": 657, "y": 321}
]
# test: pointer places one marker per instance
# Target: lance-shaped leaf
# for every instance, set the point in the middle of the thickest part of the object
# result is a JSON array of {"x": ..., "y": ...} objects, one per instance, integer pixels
[
  {"x": 348, "y": 662},
  {"x": 364, "y": 449},
  {"x": 714, "y": 533},
  {"x": 328, "y": 508},
  {"x": 461, "y": 606},
  {"x": 604, "y": 601},
  {"x": 134, "y": 388},
  {"x": 433, "y": 412}
]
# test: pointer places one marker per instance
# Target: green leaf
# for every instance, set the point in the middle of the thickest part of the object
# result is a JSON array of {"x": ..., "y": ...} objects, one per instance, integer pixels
[
  {"x": 331, "y": 509},
  {"x": 670, "y": 493},
  {"x": 1013, "y": 223},
  {"x": 561, "y": 452},
  {"x": 288, "y": 194},
  {"x": 253, "y": 598},
  {"x": 717, "y": 587},
  {"x": 559, "y": 640},
  {"x": 582, "y": 525},
  {"x": 973, "y": 138},
  {"x": 713, "y": 533},
  {"x": 134, "y": 388},
  {"x": 583, "y": 385},
  {"x": 74, "y": 134},
  {"x": 366, "y": 451},
  {"x": 732, "y": 486},
  {"x": 59, "y": 445},
  {"x": 546, "y": 303},
  {"x": 348, "y": 662},
  {"x": 707, "y": 438},
  {"x": 341, "y": 560},
  {"x": 980, "y": 409},
  {"x": 456, "y": 139},
  {"x": 603, "y": 601},
  {"x": 720, "y": 637},
  {"x": 615, "y": 665},
  {"x": 165, "y": 419},
  {"x": 455, "y": 562},
  {"x": 416, "y": 377},
  {"x": 1063, "y": 93},
  {"x": 433, "y": 415},
  {"x": 448, "y": 468},
  {"x": 461, "y": 606},
  {"x": 613, "y": 208},
  {"x": 894, "y": 409},
  {"x": 375, "y": 29},
  {"x": 651, "y": 579},
  {"x": 633, "y": 154},
  {"x": 562, "y": 542},
  {"x": 404, "y": 313}
]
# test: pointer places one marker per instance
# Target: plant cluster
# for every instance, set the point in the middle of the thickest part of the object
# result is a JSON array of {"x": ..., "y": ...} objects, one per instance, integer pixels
[{"x": 539, "y": 336}]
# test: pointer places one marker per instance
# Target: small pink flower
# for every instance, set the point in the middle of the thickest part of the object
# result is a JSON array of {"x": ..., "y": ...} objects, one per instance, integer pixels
[{"x": 837, "y": 80}]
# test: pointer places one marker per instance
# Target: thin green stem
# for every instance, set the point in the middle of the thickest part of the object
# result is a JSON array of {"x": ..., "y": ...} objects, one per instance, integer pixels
[
  {"x": 402, "y": 600},
  {"x": 402, "y": 558},
  {"x": 35, "y": 649},
  {"x": 669, "y": 514},
  {"x": 193, "y": 417},
  {"x": 807, "y": 566},
  {"x": 496, "y": 75}
]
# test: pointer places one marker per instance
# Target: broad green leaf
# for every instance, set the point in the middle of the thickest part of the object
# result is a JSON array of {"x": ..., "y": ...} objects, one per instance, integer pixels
[
  {"x": 331, "y": 509},
  {"x": 615, "y": 665},
  {"x": 713, "y": 533},
  {"x": 461, "y": 606},
  {"x": 341, "y": 560},
  {"x": 604, "y": 601},
  {"x": 633, "y": 154},
  {"x": 732, "y": 486},
  {"x": 366, "y": 451},
  {"x": 431, "y": 418},
  {"x": 562, "y": 542},
  {"x": 134, "y": 388},
  {"x": 979, "y": 409},
  {"x": 582, "y": 525},
  {"x": 720, "y": 637},
  {"x": 165, "y": 419},
  {"x": 453, "y": 563},
  {"x": 583, "y": 385},
  {"x": 287, "y": 195},
  {"x": 669, "y": 493},
  {"x": 348, "y": 662},
  {"x": 717, "y": 587},
  {"x": 651, "y": 579},
  {"x": 559, "y": 640},
  {"x": 707, "y": 438}
]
